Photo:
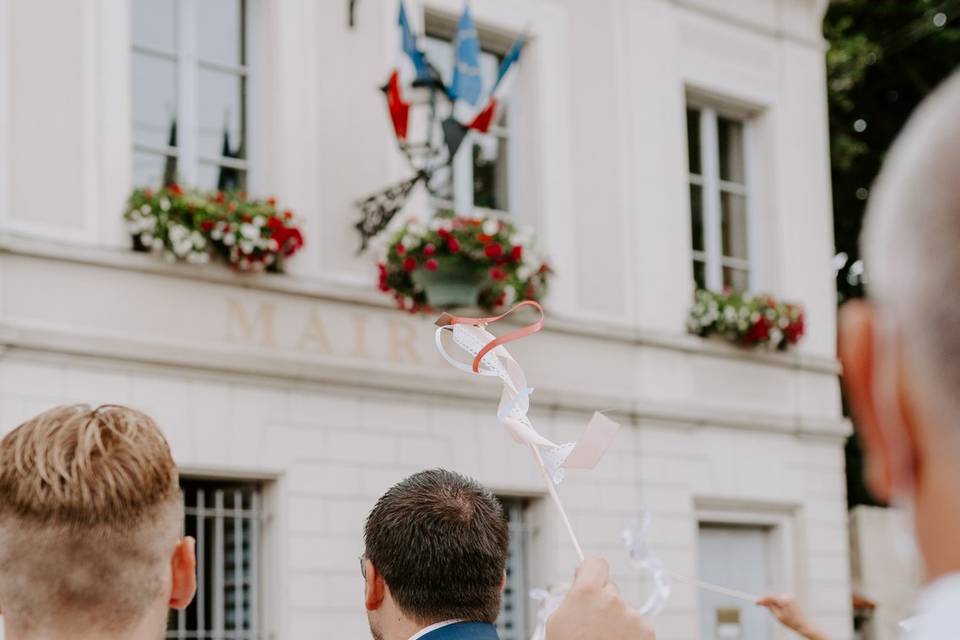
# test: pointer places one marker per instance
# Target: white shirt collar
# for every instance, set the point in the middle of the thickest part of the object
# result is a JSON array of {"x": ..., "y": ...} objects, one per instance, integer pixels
[
  {"x": 938, "y": 611},
  {"x": 433, "y": 627}
]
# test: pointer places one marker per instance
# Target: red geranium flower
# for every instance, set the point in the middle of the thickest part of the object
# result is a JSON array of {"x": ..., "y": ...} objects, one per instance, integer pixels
[
  {"x": 409, "y": 264},
  {"x": 497, "y": 274},
  {"x": 493, "y": 250},
  {"x": 207, "y": 225},
  {"x": 220, "y": 197},
  {"x": 429, "y": 250},
  {"x": 175, "y": 189},
  {"x": 516, "y": 254},
  {"x": 453, "y": 244},
  {"x": 431, "y": 264}
]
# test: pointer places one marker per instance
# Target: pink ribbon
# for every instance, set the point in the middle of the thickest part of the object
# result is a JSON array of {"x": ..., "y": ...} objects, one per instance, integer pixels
[{"x": 447, "y": 319}]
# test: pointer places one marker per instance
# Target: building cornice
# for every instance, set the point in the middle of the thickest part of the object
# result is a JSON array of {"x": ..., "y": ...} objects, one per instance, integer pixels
[{"x": 350, "y": 292}]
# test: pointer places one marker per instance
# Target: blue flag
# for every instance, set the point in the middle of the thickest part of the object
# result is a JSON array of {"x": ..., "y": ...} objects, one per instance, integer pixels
[{"x": 467, "y": 84}]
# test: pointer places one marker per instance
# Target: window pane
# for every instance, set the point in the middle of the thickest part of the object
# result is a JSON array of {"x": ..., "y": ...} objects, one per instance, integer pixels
[
  {"x": 221, "y": 115},
  {"x": 490, "y": 172},
  {"x": 696, "y": 216},
  {"x": 736, "y": 279},
  {"x": 153, "y": 24},
  {"x": 153, "y": 170},
  {"x": 220, "y": 30},
  {"x": 700, "y": 274},
  {"x": 212, "y": 176},
  {"x": 440, "y": 54},
  {"x": 733, "y": 231},
  {"x": 732, "y": 166},
  {"x": 693, "y": 140},
  {"x": 154, "y": 101}
]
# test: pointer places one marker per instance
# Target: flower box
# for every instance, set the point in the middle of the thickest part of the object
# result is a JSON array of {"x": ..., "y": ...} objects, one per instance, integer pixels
[
  {"x": 191, "y": 226},
  {"x": 460, "y": 262},
  {"x": 746, "y": 320}
]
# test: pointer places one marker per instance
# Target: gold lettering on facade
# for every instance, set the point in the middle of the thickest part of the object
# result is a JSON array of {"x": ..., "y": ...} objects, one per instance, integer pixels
[
  {"x": 401, "y": 342},
  {"x": 314, "y": 336},
  {"x": 256, "y": 329},
  {"x": 360, "y": 337}
]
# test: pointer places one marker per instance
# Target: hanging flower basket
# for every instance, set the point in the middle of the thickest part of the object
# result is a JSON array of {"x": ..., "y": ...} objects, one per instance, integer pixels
[
  {"x": 459, "y": 262},
  {"x": 746, "y": 320},
  {"x": 191, "y": 226}
]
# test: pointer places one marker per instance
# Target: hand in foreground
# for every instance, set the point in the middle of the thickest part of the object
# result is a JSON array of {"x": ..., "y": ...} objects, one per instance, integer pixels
[
  {"x": 594, "y": 609},
  {"x": 788, "y": 612}
]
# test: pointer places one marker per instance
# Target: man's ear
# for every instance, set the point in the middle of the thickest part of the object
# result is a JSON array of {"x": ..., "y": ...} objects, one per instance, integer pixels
[
  {"x": 503, "y": 581},
  {"x": 375, "y": 589},
  {"x": 183, "y": 568},
  {"x": 857, "y": 340}
]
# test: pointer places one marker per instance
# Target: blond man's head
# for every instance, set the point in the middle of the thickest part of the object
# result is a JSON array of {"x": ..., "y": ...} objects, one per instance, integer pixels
[{"x": 90, "y": 521}]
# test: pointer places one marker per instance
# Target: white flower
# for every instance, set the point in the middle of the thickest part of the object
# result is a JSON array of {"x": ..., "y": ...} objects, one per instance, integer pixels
[
  {"x": 259, "y": 221},
  {"x": 524, "y": 272},
  {"x": 248, "y": 230},
  {"x": 245, "y": 264},
  {"x": 147, "y": 240},
  {"x": 491, "y": 226},
  {"x": 784, "y": 322},
  {"x": 409, "y": 242},
  {"x": 246, "y": 247},
  {"x": 509, "y": 295},
  {"x": 145, "y": 208},
  {"x": 229, "y": 239},
  {"x": 178, "y": 232},
  {"x": 272, "y": 245},
  {"x": 204, "y": 258},
  {"x": 441, "y": 223},
  {"x": 417, "y": 230},
  {"x": 198, "y": 240},
  {"x": 776, "y": 336},
  {"x": 216, "y": 234},
  {"x": 729, "y": 314},
  {"x": 164, "y": 204}
]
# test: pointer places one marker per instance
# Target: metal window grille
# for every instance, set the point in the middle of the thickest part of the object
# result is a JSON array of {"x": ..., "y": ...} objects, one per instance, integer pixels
[
  {"x": 512, "y": 623},
  {"x": 224, "y": 518}
]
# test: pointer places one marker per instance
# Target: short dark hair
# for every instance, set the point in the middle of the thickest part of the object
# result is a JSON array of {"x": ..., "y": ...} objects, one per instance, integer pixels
[{"x": 440, "y": 541}]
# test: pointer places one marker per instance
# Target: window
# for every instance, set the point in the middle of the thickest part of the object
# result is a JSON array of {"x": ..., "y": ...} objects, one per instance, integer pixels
[
  {"x": 716, "y": 147},
  {"x": 740, "y": 557},
  {"x": 224, "y": 518},
  {"x": 478, "y": 176},
  {"x": 512, "y": 623},
  {"x": 190, "y": 85}
]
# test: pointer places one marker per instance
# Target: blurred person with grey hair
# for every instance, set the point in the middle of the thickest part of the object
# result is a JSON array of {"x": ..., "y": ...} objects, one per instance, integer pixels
[{"x": 900, "y": 348}]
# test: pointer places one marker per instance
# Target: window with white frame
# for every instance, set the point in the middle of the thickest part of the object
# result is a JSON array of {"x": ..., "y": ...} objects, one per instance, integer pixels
[
  {"x": 719, "y": 206},
  {"x": 479, "y": 174},
  {"x": 225, "y": 520},
  {"x": 190, "y": 66},
  {"x": 513, "y": 621}
]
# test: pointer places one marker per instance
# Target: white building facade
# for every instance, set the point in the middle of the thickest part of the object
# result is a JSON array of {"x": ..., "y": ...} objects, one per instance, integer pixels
[{"x": 651, "y": 144}]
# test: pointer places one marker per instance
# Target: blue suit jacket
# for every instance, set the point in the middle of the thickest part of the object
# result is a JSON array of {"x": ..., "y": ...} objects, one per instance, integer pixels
[{"x": 464, "y": 631}]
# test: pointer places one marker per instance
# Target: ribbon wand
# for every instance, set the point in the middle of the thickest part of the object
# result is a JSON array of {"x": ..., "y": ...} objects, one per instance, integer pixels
[{"x": 490, "y": 358}]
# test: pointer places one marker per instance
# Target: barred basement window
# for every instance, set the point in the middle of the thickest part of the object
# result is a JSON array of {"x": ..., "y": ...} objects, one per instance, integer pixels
[
  {"x": 225, "y": 518},
  {"x": 513, "y": 620}
]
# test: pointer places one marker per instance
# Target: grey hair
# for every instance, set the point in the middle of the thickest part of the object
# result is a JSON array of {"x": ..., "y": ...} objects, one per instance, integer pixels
[{"x": 911, "y": 240}]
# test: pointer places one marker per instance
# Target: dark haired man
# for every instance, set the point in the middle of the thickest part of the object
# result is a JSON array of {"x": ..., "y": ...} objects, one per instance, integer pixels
[{"x": 435, "y": 566}]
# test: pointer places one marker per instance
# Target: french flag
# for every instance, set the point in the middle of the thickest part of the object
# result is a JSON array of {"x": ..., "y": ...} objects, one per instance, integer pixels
[
  {"x": 411, "y": 66},
  {"x": 505, "y": 78}
]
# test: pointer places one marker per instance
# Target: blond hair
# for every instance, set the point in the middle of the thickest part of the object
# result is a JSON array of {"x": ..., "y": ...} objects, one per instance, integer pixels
[{"x": 90, "y": 512}]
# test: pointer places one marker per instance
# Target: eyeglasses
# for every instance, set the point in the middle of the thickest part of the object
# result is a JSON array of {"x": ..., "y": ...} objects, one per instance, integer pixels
[{"x": 363, "y": 565}]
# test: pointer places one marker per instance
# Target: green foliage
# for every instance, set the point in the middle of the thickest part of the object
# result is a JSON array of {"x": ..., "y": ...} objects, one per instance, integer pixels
[{"x": 884, "y": 57}]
